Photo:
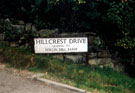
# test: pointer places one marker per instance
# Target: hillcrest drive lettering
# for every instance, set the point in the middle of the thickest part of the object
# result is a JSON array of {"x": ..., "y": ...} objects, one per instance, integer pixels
[
  {"x": 59, "y": 41},
  {"x": 60, "y": 45}
]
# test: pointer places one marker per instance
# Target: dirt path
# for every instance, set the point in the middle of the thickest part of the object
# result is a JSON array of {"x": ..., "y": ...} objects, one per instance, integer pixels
[{"x": 11, "y": 83}]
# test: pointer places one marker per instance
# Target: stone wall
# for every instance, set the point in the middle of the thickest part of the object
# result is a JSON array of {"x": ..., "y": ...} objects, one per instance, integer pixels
[{"x": 98, "y": 54}]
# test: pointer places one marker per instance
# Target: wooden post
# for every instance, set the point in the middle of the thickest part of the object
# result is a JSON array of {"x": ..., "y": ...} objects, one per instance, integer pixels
[{"x": 87, "y": 59}]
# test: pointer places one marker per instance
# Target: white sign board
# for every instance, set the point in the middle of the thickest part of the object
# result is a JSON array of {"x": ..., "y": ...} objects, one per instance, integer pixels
[{"x": 61, "y": 45}]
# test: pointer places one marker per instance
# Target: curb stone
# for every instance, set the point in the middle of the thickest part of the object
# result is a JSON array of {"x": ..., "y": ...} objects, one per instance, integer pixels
[
  {"x": 34, "y": 77},
  {"x": 38, "y": 78}
]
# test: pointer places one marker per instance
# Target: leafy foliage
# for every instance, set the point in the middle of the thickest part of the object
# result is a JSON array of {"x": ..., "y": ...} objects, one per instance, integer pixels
[
  {"x": 113, "y": 20},
  {"x": 123, "y": 15}
]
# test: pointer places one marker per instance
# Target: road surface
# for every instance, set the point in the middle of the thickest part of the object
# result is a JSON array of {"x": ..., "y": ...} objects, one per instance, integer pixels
[{"x": 10, "y": 83}]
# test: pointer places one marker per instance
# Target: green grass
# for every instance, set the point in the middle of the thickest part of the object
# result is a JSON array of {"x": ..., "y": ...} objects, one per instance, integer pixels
[{"x": 103, "y": 80}]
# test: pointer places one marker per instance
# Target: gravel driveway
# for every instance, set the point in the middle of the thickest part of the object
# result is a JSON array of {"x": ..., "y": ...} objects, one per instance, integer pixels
[{"x": 10, "y": 83}]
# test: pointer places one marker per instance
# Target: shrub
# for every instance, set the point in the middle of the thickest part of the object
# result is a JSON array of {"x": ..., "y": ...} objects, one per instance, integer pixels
[{"x": 123, "y": 15}]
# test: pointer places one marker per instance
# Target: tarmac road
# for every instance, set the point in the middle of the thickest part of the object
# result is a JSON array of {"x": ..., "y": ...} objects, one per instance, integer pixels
[{"x": 10, "y": 83}]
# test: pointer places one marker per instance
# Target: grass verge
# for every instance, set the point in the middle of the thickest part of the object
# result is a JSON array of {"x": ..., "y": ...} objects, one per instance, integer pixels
[{"x": 98, "y": 80}]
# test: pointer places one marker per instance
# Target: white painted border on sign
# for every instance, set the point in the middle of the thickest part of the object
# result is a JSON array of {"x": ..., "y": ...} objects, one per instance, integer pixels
[{"x": 61, "y": 45}]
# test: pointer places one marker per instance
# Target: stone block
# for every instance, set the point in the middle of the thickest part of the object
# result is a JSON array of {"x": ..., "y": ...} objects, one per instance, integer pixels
[
  {"x": 7, "y": 20},
  {"x": 34, "y": 29},
  {"x": 107, "y": 62},
  {"x": 118, "y": 66},
  {"x": 101, "y": 61},
  {"x": 14, "y": 44},
  {"x": 75, "y": 58},
  {"x": 104, "y": 54},
  {"x": 59, "y": 56},
  {"x": 78, "y": 34},
  {"x": 92, "y": 55},
  {"x": 18, "y": 28},
  {"x": 28, "y": 27},
  {"x": 21, "y": 22},
  {"x": 47, "y": 33}
]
